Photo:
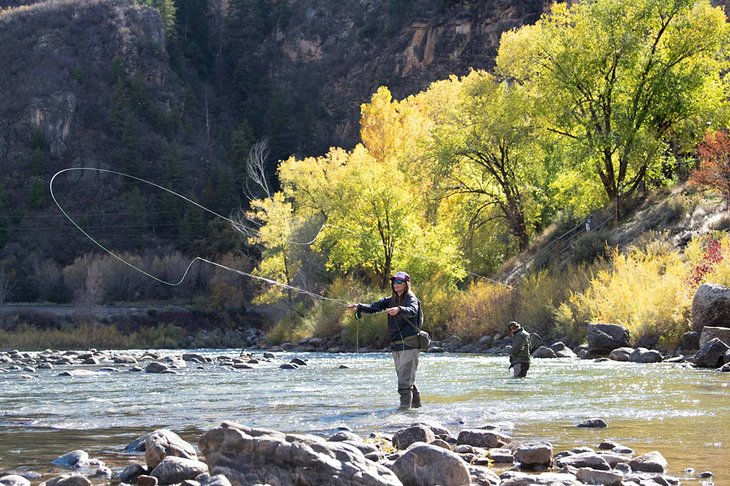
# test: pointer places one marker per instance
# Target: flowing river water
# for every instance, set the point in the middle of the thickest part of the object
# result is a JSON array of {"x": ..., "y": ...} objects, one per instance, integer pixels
[{"x": 683, "y": 413}]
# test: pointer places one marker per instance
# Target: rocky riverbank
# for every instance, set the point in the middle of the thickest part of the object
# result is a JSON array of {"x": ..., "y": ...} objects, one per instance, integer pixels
[{"x": 420, "y": 454}]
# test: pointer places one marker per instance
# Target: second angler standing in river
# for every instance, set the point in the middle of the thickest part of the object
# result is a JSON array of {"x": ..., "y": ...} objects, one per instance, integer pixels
[{"x": 403, "y": 310}]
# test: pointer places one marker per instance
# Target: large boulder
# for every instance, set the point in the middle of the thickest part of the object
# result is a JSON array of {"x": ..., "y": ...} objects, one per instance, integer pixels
[
  {"x": 173, "y": 470},
  {"x": 534, "y": 455},
  {"x": 415, "y": 433},
  {"x": 711, "y": 355},
  {"x": 709, "y": 333},
  {"x": 604, "y": 338},
  {"x": 711, "y": 307},
  {"x": 163, "y": 443},
  {"x": 248, "y": 456},
  {"x": 652, "y": 462},
  {"x": 425, "y": 465}
]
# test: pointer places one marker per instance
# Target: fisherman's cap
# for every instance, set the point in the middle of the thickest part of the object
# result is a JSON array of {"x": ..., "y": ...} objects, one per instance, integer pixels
[
  {"x": 514, "y": 324},
  {"x": 402, "y": 276}
]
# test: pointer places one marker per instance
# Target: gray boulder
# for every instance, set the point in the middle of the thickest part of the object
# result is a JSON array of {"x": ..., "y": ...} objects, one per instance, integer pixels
[
  {"x": 604, "y": 338},
  {"x": 163, "y": 443},
  {"x": 583, "y": 459},
  {"x": 621, "y": 354},
  {"x": 247, "y": 455},
  {"x": 588, "y": 475},
  {"x": 711, "y": 307},
  {"x": 14, "y": 480},
  {"x": 73, "y": 479},
  {"x": 711, "y": 355},
  {"x": 73, "y": 459},
  {"x": 709, "y": 333},
  {"x": 483, "y": 476},
  {"x": 652, "y": 462},
  {"x": 511, "y": 478},
  {"x": 544, "y": 352},
  {"x": 426, "y": 465},
  {"x": 174, "y": 470},
  {"x": 487, "y": 439},
  {"x": 155, "y": 367},
  {"x": 691, "y": 341},
  {"x": 415, "y": 433},
  {"x": 534, "y": 455},
  {"x": 643, "y": 355},
  {"x": 562, "y": 351}
]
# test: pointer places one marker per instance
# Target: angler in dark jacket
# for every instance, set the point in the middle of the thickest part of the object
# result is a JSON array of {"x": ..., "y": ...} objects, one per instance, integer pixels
[
  {"x": 519, "y": 358},
  {"x": 403, "y": 310}
]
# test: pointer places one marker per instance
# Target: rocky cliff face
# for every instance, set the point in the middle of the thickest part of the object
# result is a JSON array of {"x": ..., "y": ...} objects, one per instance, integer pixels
[{"x": 336, "y": 54}]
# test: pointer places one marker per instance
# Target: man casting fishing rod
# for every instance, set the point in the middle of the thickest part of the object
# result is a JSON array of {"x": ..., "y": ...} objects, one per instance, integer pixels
[{"x": 404, "y": 318}]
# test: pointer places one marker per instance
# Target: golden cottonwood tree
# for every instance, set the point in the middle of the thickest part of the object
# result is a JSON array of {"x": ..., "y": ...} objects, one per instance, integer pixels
[{"x": 619, "y": 80}]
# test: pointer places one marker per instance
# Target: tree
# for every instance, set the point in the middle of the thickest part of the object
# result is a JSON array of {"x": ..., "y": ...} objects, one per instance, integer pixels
[
  {"x": 714, "y": 169},
  {"x": 7, "y": 283},
  {"x": 488, "y": 150},
  {"x": 619, "y": 80}
]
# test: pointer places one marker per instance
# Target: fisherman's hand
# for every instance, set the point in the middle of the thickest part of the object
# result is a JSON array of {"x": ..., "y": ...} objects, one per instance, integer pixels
[
  {"x": 353, "y": 307},
  {"x": 392, "y": 310}
]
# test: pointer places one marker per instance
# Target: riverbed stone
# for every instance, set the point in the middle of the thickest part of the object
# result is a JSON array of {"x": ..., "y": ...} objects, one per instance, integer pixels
[
  {"x": 593, "y": 423},
  {"x": 604, "y": 338},
  {"x": 130, "y": 473},
  {"x": 534, "y": 455},
  {"x": 147, "y": 480},
  {"x": 544, "y": 352},
  {"x": 643, "y": 355},
  {"x": 483, "y": 476},
  {"x": 14, "y": 480},
  {"x": 163, "y": 443},
  {"x": 583, "y": 459},
  {"x": 344, "y": 435},
  {"x": 248, "y": 455},
  {"x": 176, "y": 469},
  {"x": 73, "y": 459},
  {"x": 72, "y": 479},
  {"x": 487, "y": 439},
  {"x": 589, "y": 475},
  {"x": 709, "y": 333},
  {"x": 206, "y": 479},
  {"x": 562, "y": 350},
  {"x": 621, "y": 354},
  {"x": 512, "y": 478},
  {"x": 410, "y": 435},
  {"x": 652, "y": 462},
  {"x": 710, "y": 306},
  {"x": 711, "y": 355},
  {"x": 424, "y": 465}
]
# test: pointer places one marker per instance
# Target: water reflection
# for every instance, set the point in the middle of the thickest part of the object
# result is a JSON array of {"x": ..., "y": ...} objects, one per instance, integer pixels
[{"x": 681, "y": 412}]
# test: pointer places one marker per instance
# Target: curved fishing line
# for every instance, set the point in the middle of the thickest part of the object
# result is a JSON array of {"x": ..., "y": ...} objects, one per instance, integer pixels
[{"x": 201, "y": 259}]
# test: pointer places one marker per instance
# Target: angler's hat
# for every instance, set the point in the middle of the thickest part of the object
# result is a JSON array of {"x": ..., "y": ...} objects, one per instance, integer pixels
[
  {"x": 514, "y": 325},
  {"x": 402, "y": 276}
]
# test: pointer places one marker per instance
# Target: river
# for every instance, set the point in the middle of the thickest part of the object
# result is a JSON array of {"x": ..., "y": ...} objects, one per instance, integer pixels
[{"x": 684, "y": 413}]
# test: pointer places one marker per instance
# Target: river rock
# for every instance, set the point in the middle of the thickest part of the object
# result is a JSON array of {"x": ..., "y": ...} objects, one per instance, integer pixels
[
  {"x": 501, "y": 455},
  {"x": 247, "y": 456},
  {"x": 621, "y": 354},
  {"x": 163, "y": 443},
  {"x": 709, "y": 333},
  {"x": 124, "y": 359},
  {"x": 711, "y": 355},
  {"x": 562, "y": 351},
  {"x": 583, "y": 459},
  {"x": 344, "y": 435},
  {"x": 155, "y": 367},
  {"x": 593, "y": 423},
  {"x": 643, "y": 355},
  {"x": 206, "y": 479},
  {"x": 589, "y": 475},
  {"x": 691, "y": 341},
  {"x": 176, "y": 469},
  {"x": 129, "y": 474},
  {"x": 652, "y": 462},
  {"x": 145, "y": 480},
  {"x": 534, "y": 455},
  {"x": 710, "y": 306},
  {"x": 483, "y": 476},
  {"x": 73, "y": 459},
  {"x": 544, "y": 352},
  {"x": 604, "y": 338},
  {"x": 512, "y": 478},
  {"x": 487, "y": 439},
  {"x": 415, "y": 433},
  {"x": 14, "y": 480},
  {"x": 425, "y": 464},
  {"x": 137, "y": 445},
  {"x": 73, "y": 479}
]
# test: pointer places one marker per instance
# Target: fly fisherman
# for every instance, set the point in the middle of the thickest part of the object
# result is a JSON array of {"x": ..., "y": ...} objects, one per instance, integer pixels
[
  {"x": 403, "y": 310},
  {"x": 519, "y": 358}
]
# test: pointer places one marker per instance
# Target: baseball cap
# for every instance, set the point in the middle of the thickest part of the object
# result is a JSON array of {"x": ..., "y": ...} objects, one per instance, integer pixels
[{"x": 402, "y": 276}]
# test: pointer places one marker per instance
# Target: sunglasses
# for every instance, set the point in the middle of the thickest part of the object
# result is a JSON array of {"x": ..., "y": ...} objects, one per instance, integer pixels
[{"x": 398, "y": 281}]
